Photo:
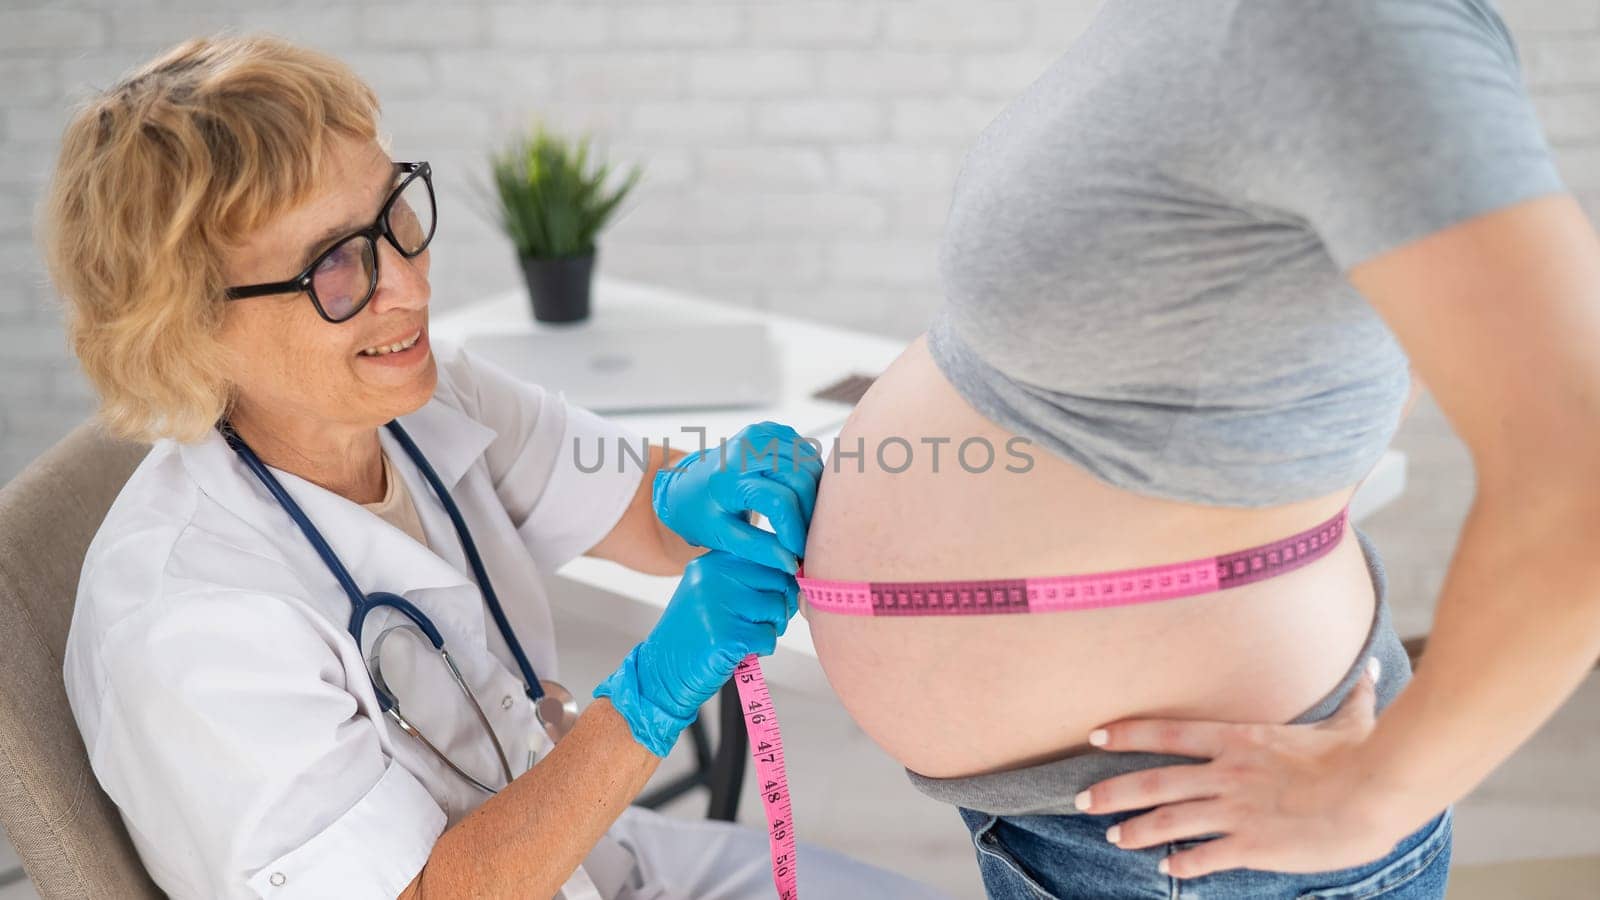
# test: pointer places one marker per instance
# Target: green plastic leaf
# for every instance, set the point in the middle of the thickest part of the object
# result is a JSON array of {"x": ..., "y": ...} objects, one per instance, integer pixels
[{"x": 551, "y": 194}]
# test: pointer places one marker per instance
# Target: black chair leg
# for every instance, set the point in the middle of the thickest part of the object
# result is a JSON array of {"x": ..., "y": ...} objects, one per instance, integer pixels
[
  {"x": 733, "y": 748},
  {"x": 683, "y": 784},
  {"x": 722, "y": 771}
]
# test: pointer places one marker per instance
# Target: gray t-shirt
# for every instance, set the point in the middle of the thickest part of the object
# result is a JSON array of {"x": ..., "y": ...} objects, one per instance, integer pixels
[{"x": 1145, "y": 254}]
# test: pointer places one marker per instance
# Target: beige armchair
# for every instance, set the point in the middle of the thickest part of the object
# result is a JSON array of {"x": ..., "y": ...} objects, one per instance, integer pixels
[{"x": 64, "y": 827}]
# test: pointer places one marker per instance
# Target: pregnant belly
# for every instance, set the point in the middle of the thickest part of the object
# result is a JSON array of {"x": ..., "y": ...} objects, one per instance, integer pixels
[{"x": 950, "y": 696}]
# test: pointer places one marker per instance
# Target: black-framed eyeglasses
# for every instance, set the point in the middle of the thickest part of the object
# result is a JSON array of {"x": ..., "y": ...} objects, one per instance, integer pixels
[{"x": 344, "y": 277}]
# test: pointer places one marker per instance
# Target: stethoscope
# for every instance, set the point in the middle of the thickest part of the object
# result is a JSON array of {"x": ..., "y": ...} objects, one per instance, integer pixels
[{"x": 553, "y": 704}]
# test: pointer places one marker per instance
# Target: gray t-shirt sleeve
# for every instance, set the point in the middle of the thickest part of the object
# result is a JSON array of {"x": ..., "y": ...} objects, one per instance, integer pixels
[{"x": 1377, "y": 122}]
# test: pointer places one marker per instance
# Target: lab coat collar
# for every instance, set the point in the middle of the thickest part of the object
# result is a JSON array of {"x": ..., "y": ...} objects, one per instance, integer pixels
[{"x": 378, "y": 556}]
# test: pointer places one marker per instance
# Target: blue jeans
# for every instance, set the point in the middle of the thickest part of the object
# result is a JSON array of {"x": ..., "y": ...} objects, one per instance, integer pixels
[{"x": 1068, "y": 858}]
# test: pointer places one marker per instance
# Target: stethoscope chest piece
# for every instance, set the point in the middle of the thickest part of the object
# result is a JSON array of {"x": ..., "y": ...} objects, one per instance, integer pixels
[{"x": 557, "y": 709}]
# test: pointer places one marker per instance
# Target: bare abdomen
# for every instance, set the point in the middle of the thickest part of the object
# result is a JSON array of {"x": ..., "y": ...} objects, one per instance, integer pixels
[{"x": 954, "y": 696}]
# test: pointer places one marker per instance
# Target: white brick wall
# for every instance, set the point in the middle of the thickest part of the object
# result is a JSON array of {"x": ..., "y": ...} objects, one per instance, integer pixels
[{"x": 799, "y": 152}]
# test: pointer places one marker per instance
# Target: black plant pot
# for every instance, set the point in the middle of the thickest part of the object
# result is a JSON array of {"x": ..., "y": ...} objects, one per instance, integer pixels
[{"x": 559, "y": 286}]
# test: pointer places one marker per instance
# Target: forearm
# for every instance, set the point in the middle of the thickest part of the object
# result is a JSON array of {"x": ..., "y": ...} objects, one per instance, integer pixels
[
  {"x": 640, "y": 540},
  {"x": 673, "y": 547},
  {"x": 1516, "y": 629},
  {"x": 526, "y": 840}
]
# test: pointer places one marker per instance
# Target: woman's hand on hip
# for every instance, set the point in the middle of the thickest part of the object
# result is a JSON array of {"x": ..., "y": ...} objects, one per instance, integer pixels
[
  {"x": 724, "y": 609},
  {"x": 766, "y": 468},
  {"x": 1281, "y": 796}
]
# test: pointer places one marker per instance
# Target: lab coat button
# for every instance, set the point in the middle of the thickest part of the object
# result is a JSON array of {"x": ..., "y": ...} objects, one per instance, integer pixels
[
  {"x": 277, "y": 879},
  {"x": 506, "y": 702}
]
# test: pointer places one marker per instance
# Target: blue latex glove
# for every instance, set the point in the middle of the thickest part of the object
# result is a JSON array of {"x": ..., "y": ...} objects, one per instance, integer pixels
[
  {"x": 724, "y": 609},
  {"x": 704, "y": 498}
]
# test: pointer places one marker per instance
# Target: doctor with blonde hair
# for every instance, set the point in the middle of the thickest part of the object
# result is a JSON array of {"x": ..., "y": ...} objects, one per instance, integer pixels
[{"x": 312, "y": 655}]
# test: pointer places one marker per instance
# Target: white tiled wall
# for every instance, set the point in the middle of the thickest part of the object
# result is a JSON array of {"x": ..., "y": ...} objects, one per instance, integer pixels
[{"x": 800, "y": 152}]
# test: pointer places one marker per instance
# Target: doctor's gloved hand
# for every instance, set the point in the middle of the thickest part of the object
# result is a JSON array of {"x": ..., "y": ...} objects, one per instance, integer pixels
[
  {"x": 766, "y": 468},
  {"x": 725, "y": 609}
]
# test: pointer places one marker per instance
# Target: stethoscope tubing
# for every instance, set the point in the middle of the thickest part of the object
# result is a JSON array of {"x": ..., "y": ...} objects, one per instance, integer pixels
[
  {"x": 361, "y": 604},
  {"x": 530, "y": 678}
]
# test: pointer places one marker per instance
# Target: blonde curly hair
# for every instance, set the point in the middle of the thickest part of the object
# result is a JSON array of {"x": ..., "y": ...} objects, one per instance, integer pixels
[{"x": 158, "y": 178}]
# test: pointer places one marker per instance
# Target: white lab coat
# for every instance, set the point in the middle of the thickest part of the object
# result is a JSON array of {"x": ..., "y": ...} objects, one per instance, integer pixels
[{"x": 231, "y": 717}]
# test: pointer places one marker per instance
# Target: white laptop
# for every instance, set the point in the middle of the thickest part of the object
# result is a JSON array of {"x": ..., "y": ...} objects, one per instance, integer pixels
[{"x": 616, "y": 370}]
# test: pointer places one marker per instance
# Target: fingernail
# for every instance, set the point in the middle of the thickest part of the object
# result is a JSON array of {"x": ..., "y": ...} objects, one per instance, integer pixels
[
  {"x": 1098, "y": 737},
  {"x": 1114, "y": 833},
  {"x": 1162, "y": 866},
  {"x": 1082, "y": 800},
  {"x": 1374, "y": 668}
]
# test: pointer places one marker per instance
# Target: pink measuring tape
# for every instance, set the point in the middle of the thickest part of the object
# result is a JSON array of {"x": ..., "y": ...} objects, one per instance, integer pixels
[
  {"x": 766, "y": 748},
  {"x": 989, "y": 597},
  {"x": 1065, "y": 592}
]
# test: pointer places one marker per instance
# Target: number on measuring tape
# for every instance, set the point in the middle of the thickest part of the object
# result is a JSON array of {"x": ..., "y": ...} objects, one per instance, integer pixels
[{"x": 766, "y": 748}]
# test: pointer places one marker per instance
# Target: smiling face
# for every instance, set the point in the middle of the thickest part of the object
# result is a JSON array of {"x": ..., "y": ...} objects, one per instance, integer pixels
[{"x": 293, "y": 370}]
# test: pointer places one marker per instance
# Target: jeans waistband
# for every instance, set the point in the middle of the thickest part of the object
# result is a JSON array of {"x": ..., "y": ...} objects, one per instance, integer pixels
[{"x": 1049, "y": 788}]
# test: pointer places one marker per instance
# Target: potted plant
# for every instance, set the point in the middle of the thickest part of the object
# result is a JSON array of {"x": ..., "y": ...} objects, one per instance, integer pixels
[{"x": 552, "y": 200}]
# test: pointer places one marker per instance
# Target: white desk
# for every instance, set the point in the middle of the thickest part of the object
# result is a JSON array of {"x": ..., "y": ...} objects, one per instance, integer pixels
[{"x": 810, "y": 356}]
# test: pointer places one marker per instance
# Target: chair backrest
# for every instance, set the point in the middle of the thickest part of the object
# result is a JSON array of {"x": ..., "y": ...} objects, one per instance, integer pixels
[{"x": 67, "y": 831}]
